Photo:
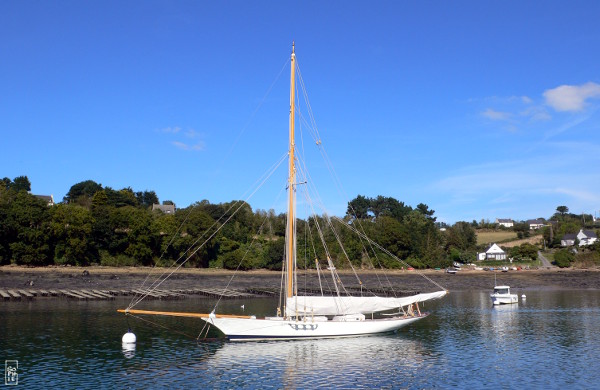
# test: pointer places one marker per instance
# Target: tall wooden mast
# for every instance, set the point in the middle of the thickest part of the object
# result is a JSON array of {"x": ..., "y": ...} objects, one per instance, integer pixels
[{"x": 291, "y": 221}]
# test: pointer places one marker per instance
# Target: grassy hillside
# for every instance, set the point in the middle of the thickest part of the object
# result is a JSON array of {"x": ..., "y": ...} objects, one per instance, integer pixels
[{"x": 486, "y": 237}]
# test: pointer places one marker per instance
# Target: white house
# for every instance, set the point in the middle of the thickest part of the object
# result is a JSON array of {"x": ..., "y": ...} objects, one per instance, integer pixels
[
  {"x": 49, "y": 199},
  {"x": 535, "y": 224},
  {"x": 585, "y": 237},
  {"x": 505, "y": 222},
  {"x": 165, "y": 208},
  {"x": 494, "y": 252},
  {"x": 568, "y": 239}
]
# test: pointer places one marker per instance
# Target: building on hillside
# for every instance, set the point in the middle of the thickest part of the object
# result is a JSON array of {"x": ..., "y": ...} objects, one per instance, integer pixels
[
  {"x": 505, "y": 222},
  {"x": 49, "y": 199},
  {"x": 568, "y": 239},
  {"x": 493, "y": 252},
  {"x": 535, "y": 224},
  {"x": 585, "y": 237},
  {"x": 165, "y": 208}
]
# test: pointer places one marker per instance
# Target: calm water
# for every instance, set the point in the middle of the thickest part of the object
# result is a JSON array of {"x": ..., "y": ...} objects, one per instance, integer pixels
[{"x": 549, "y": 341}]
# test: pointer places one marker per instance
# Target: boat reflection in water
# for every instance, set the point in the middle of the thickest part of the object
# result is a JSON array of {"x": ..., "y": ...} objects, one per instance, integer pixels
[{"x": 313, "y": 363}]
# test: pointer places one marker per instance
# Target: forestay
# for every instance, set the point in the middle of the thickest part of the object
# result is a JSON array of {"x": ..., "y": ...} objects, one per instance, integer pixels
[{"x": 324, "y": 305}]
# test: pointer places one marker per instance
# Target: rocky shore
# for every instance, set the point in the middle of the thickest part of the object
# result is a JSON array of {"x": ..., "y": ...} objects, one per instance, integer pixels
[{"x": 12, "y": 277}]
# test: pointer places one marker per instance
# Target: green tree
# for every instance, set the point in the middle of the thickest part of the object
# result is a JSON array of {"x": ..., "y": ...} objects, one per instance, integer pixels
[
  {"x": 165, "y": 230},
  {"x": 563, "y": 258},
  {"x": 522, "y": 230},
  {"x": 395, "y": 237},
  {"x": 101, "y": 228},
  {"x": 21, "y": 183},
  {"x": 562, "y": 210},
  {"x": 146, "y": 198},
  {"x": 425, "y": 240},
  {"x": 121, "y": 198},
  {"x": 132, "y": 235},
  {"x": 71, "y": 229},
  {"x": 424, "y": 209},
  {"x": 461, "y": 236},
  {"x": 197, "y": 226},
  {"x": 27, "y": 227},
  {"x": 82, "y": 192},
  {"x": 358, "y": 207},
  {"x": 388, "y": 206},
  {"x": 274, "y": 254},
  {"x": 568, "y": 227},
  {"x": 525, "y": 251}
]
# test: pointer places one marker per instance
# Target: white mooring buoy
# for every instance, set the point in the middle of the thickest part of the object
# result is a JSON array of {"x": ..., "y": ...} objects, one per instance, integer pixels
[
  {"x": 129, "y": 338},
  {"x": 523, "y": 297}
]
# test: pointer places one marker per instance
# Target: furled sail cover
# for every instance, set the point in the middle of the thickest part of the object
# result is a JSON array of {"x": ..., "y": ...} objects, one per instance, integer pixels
[{"x": 306, "y": 305}]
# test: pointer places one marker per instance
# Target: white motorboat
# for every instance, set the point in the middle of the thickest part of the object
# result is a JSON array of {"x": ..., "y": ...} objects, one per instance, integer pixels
[{"x": 502, "y": 296}]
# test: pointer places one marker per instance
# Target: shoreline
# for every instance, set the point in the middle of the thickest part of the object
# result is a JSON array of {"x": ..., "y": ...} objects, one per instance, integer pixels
[{"x": 99, "y": 277}]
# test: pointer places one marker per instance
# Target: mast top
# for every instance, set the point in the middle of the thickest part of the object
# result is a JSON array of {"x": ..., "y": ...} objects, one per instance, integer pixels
[{"x": 293, "y": 47}]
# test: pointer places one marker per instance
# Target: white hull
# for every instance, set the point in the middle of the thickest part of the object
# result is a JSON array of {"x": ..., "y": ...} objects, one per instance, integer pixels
[
  {"x": 504, "y": 299},
  {"x": 244, "y": 329},
  {"x": 502, "y": 296}
]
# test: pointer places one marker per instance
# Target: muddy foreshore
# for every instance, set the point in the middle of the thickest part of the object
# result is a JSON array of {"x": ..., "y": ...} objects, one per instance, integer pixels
[{"x": 12, "y": 277}]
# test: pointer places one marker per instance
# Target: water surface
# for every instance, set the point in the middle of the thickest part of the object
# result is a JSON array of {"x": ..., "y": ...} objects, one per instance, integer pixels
[{"x": 549, "y": 341}]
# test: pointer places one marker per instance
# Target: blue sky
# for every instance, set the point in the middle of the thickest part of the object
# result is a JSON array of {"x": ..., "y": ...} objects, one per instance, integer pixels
[{"x": 481, "y": 110}]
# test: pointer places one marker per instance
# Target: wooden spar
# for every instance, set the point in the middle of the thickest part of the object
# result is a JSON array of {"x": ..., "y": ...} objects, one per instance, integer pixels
[
  {"x": 291, "y": 231},
  {"x": 179, "y": 314}
]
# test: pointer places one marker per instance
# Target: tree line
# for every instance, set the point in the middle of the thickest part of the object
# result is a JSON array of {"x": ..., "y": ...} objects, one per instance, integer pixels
[{"x": 96, "y": 224}]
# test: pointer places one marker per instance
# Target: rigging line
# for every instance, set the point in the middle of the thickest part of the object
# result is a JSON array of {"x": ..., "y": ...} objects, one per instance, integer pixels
[
  {"x": 154, "y": 287},
  {"x": 231, "y": 149},
  {"x": 312, "y": 242},
  {"x": 386, "y": 251},
  {"x": 239, "y": 135},
  {"x": 245, "y": 254},
  {"x": 282, "y": 302},
  {"x": 366, "y": 251},
  {"x": 313, "y": 125},
  {"x": 334, "y": 274},
  {"x": 318, "y": 264},
  {"x": 266, "y": 174},
  {"x": 306, "y": 175},
  {"x": 141, "y": 287},
  {"x": 314, "y": 131},
  {"x": 258, "y": 107},
  {"x": 160, "y": 325},
  {"x": 157, "y": 282}
]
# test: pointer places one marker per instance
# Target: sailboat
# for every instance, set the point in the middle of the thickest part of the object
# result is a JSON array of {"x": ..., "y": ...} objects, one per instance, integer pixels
[{"x": 302, "y": 316}]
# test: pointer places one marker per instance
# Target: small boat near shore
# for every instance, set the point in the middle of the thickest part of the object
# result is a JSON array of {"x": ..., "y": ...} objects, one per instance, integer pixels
[{"x": 502, "y": 296}]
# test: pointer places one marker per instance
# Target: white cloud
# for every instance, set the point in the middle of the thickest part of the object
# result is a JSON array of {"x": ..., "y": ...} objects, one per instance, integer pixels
[
  {"x": 536, "y": 113},
  {"x": 191, "y": 133},
  {"x": 526, "y": 99},
  {"x": 175, "y": 132},
  {"x": 571, "y": 97},
  {"x": 496, "y": 115},
  {"x": 582, "y": 194},
  {"x": 183, "y": 146},
  {"x": 170, "y": 130},
  {"x": 521, "y": 189}
]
